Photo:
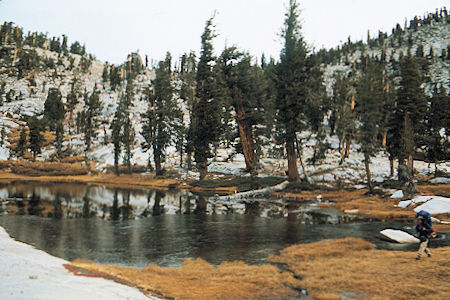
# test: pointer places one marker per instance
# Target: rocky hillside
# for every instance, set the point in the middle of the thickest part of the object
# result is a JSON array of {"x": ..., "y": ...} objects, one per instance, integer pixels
[{"x": 27, "y": 72}]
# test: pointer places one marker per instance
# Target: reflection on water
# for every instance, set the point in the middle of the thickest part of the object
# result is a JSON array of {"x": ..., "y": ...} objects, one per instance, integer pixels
[
  {"x": 140, "y": 226},
  {"x": 70, "y": 200},
  {"x": 167, "y": 240}
]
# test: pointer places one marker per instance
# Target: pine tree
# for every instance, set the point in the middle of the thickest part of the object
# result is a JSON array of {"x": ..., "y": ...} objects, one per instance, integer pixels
[
  {"x": 128, "y": 134},
  {"x": 54, "y": 108},
  {"x": 187, "y": 93},
  {"x": 35, "y": 139},
  {"x": 370, "y": 100},
  {"x": 2, "y": 135},
  {"x": 71, "y": 103},
  {"x": 128, "y": 140},
  {"x": 21, "y": 146},
  {"x": 114, "y": 77},
  {"x": 293, "y": 84},
  {"x": 91, "y": 114},
  {"x": 116, "y": 128},
  {"x": 163, "y": 116},
  {"x": 123, "y": 134},
  {"x": 437, "y": 119},
  {"x": 105, "y": 74},
  {"x": 411, "y": 108},
  {"x": 59, "y": 134},
  {"x": 205, "y": 113},
  {"x": 64, "y": 45},
  {"x": 244, "y": 89}
]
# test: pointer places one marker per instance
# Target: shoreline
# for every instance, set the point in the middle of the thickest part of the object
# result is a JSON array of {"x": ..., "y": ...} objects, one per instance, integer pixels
[
  {"x": 30, "y": 273},
  {"x": 348, "y": 201}
]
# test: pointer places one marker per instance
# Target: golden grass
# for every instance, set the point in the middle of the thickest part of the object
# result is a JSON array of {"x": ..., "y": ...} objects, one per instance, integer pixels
[
  {"x": 325, "y": 296},
  {"x": 38, "y": 168},
  {"x": 132, "y": 180},
  {"x": 197, "y": 279},
  {"x": 72, "y": 159},
  {"x": 352, "y": 265},
  {"x": 327, "y": 269},
  {"x": 8, "y": 168},
  {"x": 124, "y": 169},
  {"x": 435, "y": 189}
]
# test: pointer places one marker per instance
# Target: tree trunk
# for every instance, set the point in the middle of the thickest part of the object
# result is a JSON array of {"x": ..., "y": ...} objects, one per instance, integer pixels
[
  {"x": 157, "y": 159},
  {"x": 15, "y": 55},
  {"x": 384, "y": 141},
  {"x": 203, "y": 173},
  {"x": 369, "y": 175},
  {"x": 292, "y": 161},
  {"x": 181, "y": 154},
  {"x": 201, "y": 205},
  {"x": 391, "y": 165},
  {"x": 203, "y": 169},
  {"x": 342, "y": 146},
  {"x": 347, "y": 146},
  {"x": 305, "y": 175},
  {"x": 189, "y": 160},
  {"x": 411, "y": 164},
  {"x": 157, "y": 205},
  {"x": 245, "y": 133},
  {"x": 116, "y": 163}
]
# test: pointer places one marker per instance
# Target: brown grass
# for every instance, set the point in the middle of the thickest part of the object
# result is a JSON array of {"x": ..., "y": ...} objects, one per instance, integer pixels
[
  {"x": 124, "y": 169},
  {"x": 327, "y": 269},
  {"x": 325, "y": 296},
  {"x": 132, "y": 180},
  {"x": 435, "y": 189},
  {"x": 38, "y": 168},
  {"x": 72, "y": 159},
  {"x": 197, "y": 279},
  {"x": 352, "y": 265}
]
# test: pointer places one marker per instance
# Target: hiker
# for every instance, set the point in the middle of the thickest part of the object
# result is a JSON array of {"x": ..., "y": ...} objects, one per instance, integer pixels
[{"x": 423, "y": 231}]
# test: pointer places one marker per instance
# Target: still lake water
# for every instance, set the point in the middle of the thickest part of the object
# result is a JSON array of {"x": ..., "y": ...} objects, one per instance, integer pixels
[{"x": 138, "y": 227}]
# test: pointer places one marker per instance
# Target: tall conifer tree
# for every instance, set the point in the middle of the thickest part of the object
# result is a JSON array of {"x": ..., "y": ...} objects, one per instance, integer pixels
[
  {"x": 205, "y": 114},
  {"x": 163, "y": 116},
  {"x": 293, "y": 82}
]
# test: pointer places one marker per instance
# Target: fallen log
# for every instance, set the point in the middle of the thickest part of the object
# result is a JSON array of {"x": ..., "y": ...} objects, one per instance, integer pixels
[{"x": 254, "y": 193}]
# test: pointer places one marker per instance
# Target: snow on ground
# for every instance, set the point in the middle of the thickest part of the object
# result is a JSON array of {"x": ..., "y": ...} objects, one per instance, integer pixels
[
  {"x": 440, "y": 180},
  {"x": 436, "y": 205},
  {"x": 433, "y": 204},
  {"x": 29, "y": 273},
  {"x": 29, "y": 100},
  {"x": 398, "y": 236},
  {"x": 397, "y": 195}
]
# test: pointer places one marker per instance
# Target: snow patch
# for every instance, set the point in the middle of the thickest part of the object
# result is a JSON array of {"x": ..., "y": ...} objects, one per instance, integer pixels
[
  {"x": 397, "y": 194},
  {"x": 398, "y": 236},
  {"x": 437, "y": 205},
  {"x": 440, "y": 180},
  {"x": 29, "y": 273}
]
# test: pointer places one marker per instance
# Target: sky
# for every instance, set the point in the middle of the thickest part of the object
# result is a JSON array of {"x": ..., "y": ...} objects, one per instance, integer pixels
[{"x": 111, "y": 29}]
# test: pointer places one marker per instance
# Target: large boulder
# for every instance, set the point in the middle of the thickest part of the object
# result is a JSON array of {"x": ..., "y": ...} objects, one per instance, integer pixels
[{"x": 398, "y": 236}]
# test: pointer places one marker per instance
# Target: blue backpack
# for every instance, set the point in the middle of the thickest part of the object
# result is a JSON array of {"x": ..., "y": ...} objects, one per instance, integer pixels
[{"x": 426, "y": 217}]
